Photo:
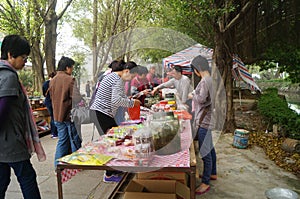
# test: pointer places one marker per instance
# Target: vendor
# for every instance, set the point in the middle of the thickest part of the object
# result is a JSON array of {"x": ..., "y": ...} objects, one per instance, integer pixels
[{"x": 180, "y": 82}]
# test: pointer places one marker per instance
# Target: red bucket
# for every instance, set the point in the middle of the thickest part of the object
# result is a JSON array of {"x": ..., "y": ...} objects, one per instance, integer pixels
[{"x": 134, "y": 112}]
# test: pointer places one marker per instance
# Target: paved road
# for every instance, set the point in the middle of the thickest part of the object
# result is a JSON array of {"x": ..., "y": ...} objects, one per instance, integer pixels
[{"x": 82, "y": 185}]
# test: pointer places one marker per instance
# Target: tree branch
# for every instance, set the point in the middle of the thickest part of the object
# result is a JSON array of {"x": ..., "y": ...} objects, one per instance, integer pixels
[
  {"x": 64, "y": 10},
  {"x": 236, "y": 19}
]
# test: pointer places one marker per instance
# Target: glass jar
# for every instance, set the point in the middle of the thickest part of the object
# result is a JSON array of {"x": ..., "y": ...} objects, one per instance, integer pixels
[
  {"x": 165, "y": 133},
  {"x": 144, "y": 149}
]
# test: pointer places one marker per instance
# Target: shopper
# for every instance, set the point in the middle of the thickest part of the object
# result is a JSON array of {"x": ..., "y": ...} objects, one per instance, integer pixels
[
  {"x": 48, "y": 104},
  {"x": 65, "y": 94},
  {"x": 18, "y": 134},
  {"x": 203, "y": 110},
  {"x": 109, "y": 97}
]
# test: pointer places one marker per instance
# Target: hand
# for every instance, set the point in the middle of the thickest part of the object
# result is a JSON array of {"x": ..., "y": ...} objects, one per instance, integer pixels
[
  {"x": 154, "y": 91},
  {"x": 146, "y": 91},
  {"x": 137, "y": 102}
]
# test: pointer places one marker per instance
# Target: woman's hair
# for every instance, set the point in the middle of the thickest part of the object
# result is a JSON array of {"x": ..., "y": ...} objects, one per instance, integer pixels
[
  {"x": 118, "y": 66},
  {"x": 15, "y": 45},
  {"x": 131, "y": 65},
  {"x": 200, "y": 63},
  {"x": 112, "y": 63},
  {"x": 122, "y": 65},
  {"x": 65, "y": 62},
  {"x": 52, "y": 74},
  {"x": 142, "y": 70}
]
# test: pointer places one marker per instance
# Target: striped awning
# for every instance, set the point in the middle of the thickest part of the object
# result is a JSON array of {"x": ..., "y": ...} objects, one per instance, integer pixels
[
  {"x": 241, "y": 73},
  {"x": 184, "y": 58}
]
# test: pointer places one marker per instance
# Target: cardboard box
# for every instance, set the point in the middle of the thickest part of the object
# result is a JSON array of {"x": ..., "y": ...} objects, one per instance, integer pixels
[
  {"x": 161, "y": 175},
  {"x": 158, "y": 189}
]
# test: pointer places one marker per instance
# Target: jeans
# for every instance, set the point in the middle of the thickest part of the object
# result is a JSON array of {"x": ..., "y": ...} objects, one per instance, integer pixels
[
  {"x": 208, "y": 154},
  {"x": 52, "y": 125},
  {"x": 68, "y": 139},
  {"x": 120, "y": 115},
  {"x": 26, "y": 177}
]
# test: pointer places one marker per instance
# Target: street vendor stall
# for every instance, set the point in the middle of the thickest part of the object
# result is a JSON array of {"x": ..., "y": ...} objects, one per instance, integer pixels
[
  {"x": 131, "y": 148},
  {"x": 41, "y": 115},
  {"x": 184, "y": 58}
]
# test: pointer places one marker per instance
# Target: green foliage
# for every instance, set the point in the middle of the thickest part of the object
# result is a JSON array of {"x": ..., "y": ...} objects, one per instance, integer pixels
[
  {"x": 79, "y": 58},
  {"x": 26, "y": 78},
  {"x": 287, "y": 56},
  {"x": 276, "y": 111},
  {"x": 153, "y": 55}
]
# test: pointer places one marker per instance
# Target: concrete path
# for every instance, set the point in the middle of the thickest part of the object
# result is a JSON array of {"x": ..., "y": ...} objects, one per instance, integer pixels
[{"x": 242, "y": 174}]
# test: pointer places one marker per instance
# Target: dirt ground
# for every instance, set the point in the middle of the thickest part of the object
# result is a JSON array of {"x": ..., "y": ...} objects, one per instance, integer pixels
[{"x": 246, "y": 173}]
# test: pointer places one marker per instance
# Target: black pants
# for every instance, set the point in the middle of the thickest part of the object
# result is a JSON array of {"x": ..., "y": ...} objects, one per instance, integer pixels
[{"x": 106, "y": 122}]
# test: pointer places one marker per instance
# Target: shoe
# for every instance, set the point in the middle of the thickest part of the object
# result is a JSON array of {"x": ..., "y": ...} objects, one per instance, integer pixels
[
  {"x": 112, "y": 178},
  {"x": 201, "y": 190},
  {"x": 54, "y": 136},
  {"x": 212, "y": 177}
]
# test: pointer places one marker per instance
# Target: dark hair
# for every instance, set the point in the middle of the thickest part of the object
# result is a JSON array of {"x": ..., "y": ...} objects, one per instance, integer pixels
[
  {"x": 52, "y": 74},
  {"x": 119, "y": 66},
  {"x": 142, "y": 70},
  {"x": 112, "y": 63},
  {"x": 132, "y": 66},
  {"x": 200, "y": 63},
  {"x": 65, "y": 62},
  {"x": 178, "y": 68},
  {"x": 15, "y": 45}
]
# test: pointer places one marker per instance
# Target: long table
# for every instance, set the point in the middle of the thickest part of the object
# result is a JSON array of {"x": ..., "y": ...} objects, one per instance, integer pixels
[{"x": 183, "y": 161}]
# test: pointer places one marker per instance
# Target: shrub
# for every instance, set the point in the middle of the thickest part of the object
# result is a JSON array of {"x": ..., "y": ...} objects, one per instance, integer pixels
[{"x": 276, "y": 111}]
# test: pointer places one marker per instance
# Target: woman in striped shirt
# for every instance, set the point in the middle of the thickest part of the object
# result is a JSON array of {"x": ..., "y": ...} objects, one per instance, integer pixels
[{"x": 109, "y": 97}]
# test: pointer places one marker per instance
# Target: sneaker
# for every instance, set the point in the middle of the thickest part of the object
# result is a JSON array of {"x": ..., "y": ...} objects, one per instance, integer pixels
[
  {"x": 54, "y": 136},
  {"x": 112, "y": 178}
]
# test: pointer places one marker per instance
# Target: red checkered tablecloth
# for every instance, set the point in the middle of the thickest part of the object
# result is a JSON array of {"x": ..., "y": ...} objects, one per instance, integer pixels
[{"x": 180, "y": 159}]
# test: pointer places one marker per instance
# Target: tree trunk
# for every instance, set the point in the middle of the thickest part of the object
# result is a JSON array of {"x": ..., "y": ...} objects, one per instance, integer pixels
[
  {"x": 37, "y": 66},
  {"x": 223, "y": 60},
  {"x": 50, "y": 37},
  {"x": 94, "y": 40}
]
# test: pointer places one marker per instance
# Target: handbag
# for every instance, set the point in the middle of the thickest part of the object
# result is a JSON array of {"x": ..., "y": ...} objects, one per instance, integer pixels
[{"x": 81, "y": 115}]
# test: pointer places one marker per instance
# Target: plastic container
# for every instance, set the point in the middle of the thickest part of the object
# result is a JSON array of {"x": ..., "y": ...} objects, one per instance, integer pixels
[
  {"x": 240, "y": 139},
  {"x": 134, "y": 112}
]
